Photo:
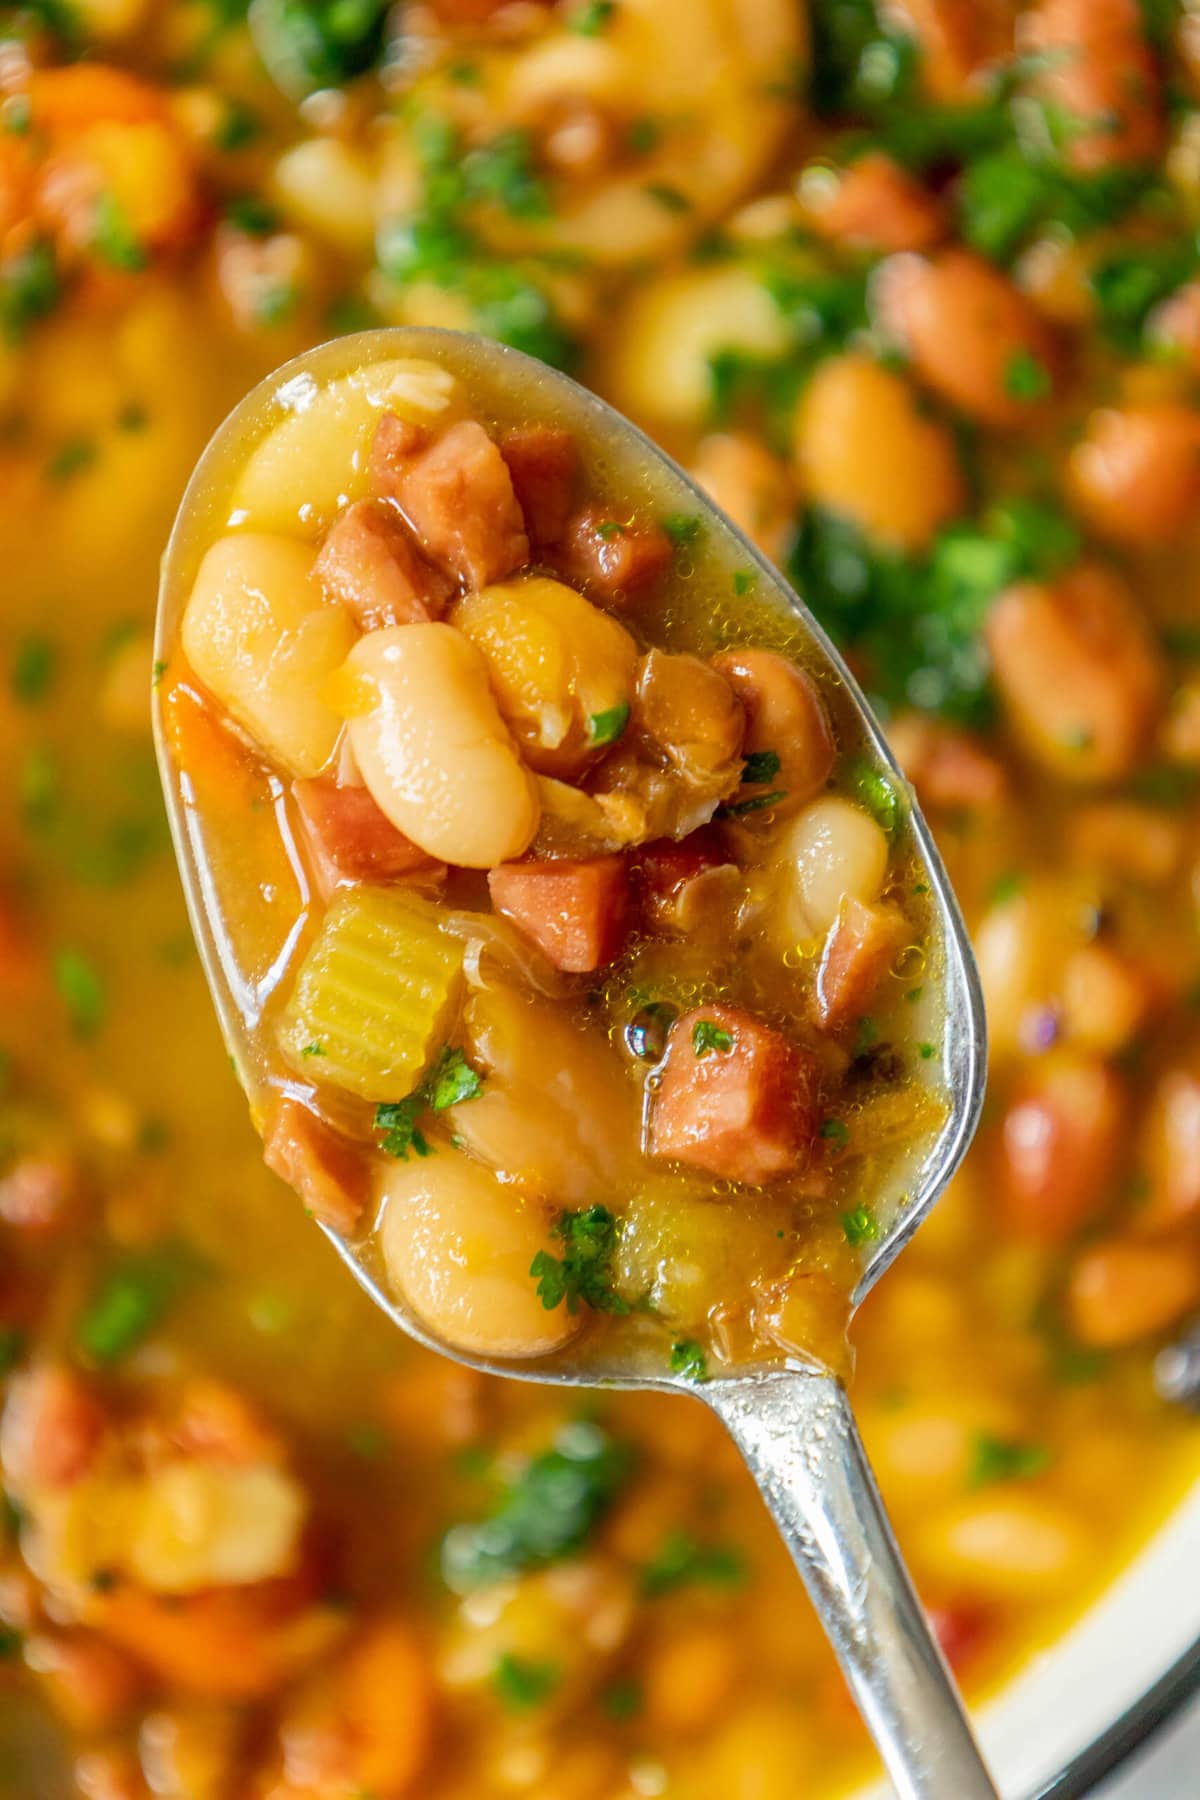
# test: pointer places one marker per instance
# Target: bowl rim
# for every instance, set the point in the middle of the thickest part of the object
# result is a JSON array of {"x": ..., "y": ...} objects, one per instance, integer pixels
[{"x": 1130, "y": 1731}]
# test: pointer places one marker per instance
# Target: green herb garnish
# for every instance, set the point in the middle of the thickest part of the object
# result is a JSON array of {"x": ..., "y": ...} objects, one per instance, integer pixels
[
  {"x": 707, "y": 1036},
  {"x": 521, "y": 1684},
  {"x": 743, "y": 581},
  {"x": 583, "y": 1274},
  {"x": 1025, "y": 378},
  {"x": 34, "y": 665},
  {"x": 607, "y": 727},
  {"x": 590, "y": 18},
  {"x": 835, "y": 1131},
  {"x": 860, "y": 1226},
  {"x": 132, "y": 1298},
  {"x": 451, "y": 1081},
  {"x": 114, "y": 239},
  {"x": 682, "y": 1561},
  {"x": 683, "y": 528},
  {"x": 761, "y": 765},
  {"x": 877, "y": 793},
  {"x": 545, "y": 1512},
  {"x": 688, "y": 1359},
  {"x": 82, "y": 988},
  {"x": 1006, "y": 1459}
]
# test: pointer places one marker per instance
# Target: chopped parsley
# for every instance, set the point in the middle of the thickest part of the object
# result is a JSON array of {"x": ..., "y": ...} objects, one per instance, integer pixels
[
  {"x": 1006, "y": 1459},
  {"x": 114, "y": 239},
  {"x": 30, "y": 288},
  {"x": 450, "y": 1082},
  {"x": 503, "y": 173},
  {"x": 545, "y": 1512},
  {"x": 622, "y": 1701},
  {"x": 682, "y": 1561},
  {"x": 12, "y": 1348},
  {"x": 520, "y": 1683},
  {"x": 72, "y": 458},
  {"x": 583, "y": 1273},
  {"x": 683, "y": 528},
  {"x": 743, "y": 581},
  {"x": 131, "y": 1300},
  {"x": 926, "y": 1052},
  {"x": 606, "y": 727},
  {"x": 761, "y": 765},
  {"x": 238, "y": 127},
  {"x": 158, "y": 671},
  {"x": 757, "y": 804},
  {"x": 835, "y": 1131},
  {"x": 590, "y": 17},
  {"x": 707, "y": 1036},
  {"x": 688, "y": 1359},
  {"x": 313, "y": 1049},
  {"x": 609, "y": 529},
  {"x": 1025, "y": 377},
  {"x": 860, "y": 1226},
  {"x": 876, "y": 791},
  {"x": 82, "y": 988},
  {"x": 312, "y": 44},
  {"x": 669, "y": 198},
  {"x": 252, "y": 215},
  {"x": 33, "y": 669}
]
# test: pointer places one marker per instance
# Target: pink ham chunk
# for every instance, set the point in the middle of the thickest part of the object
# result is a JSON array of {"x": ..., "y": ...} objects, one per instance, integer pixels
[
  {"x": 737, "y": 1099},
  {"x": 369, "y": 564},
  {"x": 352, "y": 836},
  {"x": 610, "y": 559},
  {"x": 456, "y": 493},
  {"x": 325, "y": 1169},
  {"x": 862, "y": 944},
  {"x": 578, "y": 913},
  {"x": 544, "y": 464}
]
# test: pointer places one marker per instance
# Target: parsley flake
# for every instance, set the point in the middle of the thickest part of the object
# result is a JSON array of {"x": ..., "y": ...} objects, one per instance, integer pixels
[
  {"x": 681, "y": 1561},
  {"x": 33, "y": 669},
  {"x": 1025, "y": 378},
  {"x": 114, "y": 239},
  {"x": 451, "y": 1081},
  {"x": 688, "y": 1359},
  {"x": 606, "y": 727},
  {"x": 707, "y": 1035},
  {"x": 520, "y": 1683},
  {"x": 683, "y": 528},
  {"x": 860, "y": 1226},
  {"x": 1006, "y": 1459},
  {"x": 590, "y": 19},
  {"x": 761, "y": 765},
  {"x": 82, "y": 988},
  {"x": 584, "y": 1271}
]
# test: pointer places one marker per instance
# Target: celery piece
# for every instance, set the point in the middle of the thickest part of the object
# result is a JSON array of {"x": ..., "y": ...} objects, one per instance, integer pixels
[{"x": 378, "y": 991}]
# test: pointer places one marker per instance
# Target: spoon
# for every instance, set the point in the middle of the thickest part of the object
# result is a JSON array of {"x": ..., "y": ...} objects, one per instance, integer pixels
[{"x": 793, "y": 1422}]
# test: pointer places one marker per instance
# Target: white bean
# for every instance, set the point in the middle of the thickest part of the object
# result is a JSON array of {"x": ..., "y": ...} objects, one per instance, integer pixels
[
  {"x": 835, "y": 849},
  {"x": 458, "y": 1246},
  {"x": 258, "y": 633},
  {"x": 433, "y": 750}
]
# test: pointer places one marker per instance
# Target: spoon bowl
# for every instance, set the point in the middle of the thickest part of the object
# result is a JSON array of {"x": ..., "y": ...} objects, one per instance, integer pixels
[{"x": 791, "y": 1419}]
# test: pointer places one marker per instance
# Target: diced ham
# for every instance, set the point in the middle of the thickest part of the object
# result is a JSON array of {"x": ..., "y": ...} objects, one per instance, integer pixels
[
  {"x": 216, "y": 1425},
  {"x": 544, "y": 464},
  {"x": 40, "y": 1193},
  {"x": 670, "y": 875},
  {"x": 348, "y": 829},
  {"x": 610, "y": 559},
  {"x": 576, "y": 912},
  {"x": 369, "y": 564},
  {"x": 51, "y": 1429},
  {"x": 737, "y": 1099},
  {"x": 324, "y": 1168},
  {"x": 858, "y": 952},
  {"x": 456, "y": 493}
]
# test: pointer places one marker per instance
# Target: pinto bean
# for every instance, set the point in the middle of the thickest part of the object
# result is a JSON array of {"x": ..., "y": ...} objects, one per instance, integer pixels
[
  {"x": 973, "y": 337},
  {"x": 1093, "y": 68},
  {"x": 369, "y": 564},
  {"x": 1078, "y": 672},
  {"x": 1171, "y": 1149},
  {"x": 1060, "y": 1147},
  {"x": 1105, "y": 999},
  {"x": 1121, "y": 1291},
  {"x": 324, "y": 1168},
  {"x": 786, "y": 719},
  {"x": 1135, "y": 473},
  {"x": 872, "y": 204},
  {"x": 737, "y": 1099},
  {"x": 751, "y": 485},
  {"x": 865, "y": 449},
  {"x": 456, "y": 493},
  {"x": 578, "y": 913}
]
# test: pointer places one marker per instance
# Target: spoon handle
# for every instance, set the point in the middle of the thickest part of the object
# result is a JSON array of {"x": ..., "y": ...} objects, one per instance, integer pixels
[{"x": 798, "y": 1436}]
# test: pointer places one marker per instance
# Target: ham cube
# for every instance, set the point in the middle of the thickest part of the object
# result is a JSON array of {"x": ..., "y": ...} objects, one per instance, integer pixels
[
  {"x": 862, "y": 944},
  {"x": 544, "y": 465},
  {"x": 352, "y": 836},
  {"x": 673, "y": 878},
  {"x": 577, "y": 913},
  {"x": 324, "y": 1168},
  {"x": 456, "y": 493},
  {"x": 737, "y": 1099},
  {"x": 610, "y": 559},
  {"x": 51, "y": 1430},
  {"x": 369, "y": 564}
]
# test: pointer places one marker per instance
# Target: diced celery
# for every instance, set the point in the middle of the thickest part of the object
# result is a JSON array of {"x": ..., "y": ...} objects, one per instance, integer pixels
[{"x": 376, "y": 995}]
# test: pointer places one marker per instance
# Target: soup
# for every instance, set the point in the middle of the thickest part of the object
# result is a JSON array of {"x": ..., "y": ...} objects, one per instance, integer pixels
[
  {"x": 568, "y": 939},
  {"x": 924, "y": 325}
]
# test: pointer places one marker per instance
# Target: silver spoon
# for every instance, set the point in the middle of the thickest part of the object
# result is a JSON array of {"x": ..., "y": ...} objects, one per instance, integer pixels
[{"x": 792, "y": 1423}]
